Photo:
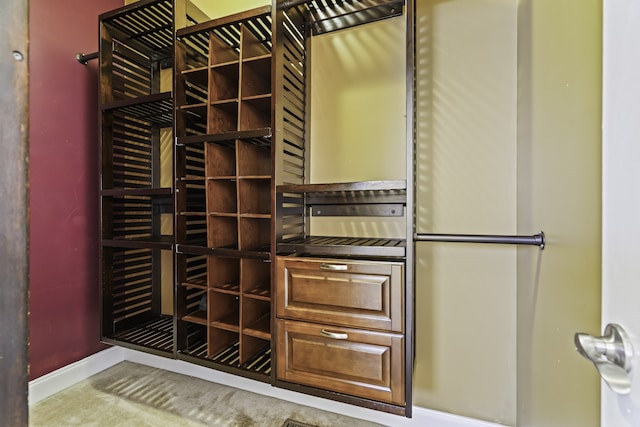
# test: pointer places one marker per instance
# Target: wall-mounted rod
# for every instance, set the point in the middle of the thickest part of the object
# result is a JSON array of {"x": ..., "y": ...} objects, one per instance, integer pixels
[
  {"x": 535, "y": 240},
  {"x": 84, "y": 58},
  {"x": 292, "y": 3}
]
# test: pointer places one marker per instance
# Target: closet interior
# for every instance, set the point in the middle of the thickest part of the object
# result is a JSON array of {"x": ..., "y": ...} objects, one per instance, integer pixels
[{"x": 209, "y": 249}]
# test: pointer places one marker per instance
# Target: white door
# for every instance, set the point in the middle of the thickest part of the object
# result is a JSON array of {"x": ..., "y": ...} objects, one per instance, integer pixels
[{"x": 621, "y": 194}]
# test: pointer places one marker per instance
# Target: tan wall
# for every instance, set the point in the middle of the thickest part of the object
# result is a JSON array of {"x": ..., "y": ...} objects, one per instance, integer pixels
[
  {"x": 559, "y": 187},
  {"x": 466, "y": 293},
  {"x": 219, "y": 8}
]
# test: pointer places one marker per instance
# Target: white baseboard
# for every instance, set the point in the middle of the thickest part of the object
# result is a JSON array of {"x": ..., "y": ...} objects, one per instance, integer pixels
[{"x": 59, "y": 380}]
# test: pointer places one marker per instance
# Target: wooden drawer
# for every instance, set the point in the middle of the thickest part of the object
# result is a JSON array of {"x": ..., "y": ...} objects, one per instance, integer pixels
[
  {"x": 360, "y": 294},
  {"x": 360, "y": 363}
]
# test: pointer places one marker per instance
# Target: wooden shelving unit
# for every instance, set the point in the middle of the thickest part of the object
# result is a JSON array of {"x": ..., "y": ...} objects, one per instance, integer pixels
[
  {"x": 224, "y": 185},
  {"x": 136, "y": 45},
  {"x": 343, "y": 301},
  {"x": 240, "y": 204}
]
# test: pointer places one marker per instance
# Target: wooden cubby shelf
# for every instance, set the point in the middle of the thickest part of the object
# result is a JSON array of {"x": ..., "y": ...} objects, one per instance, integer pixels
[{"x": 225, "y": 64}]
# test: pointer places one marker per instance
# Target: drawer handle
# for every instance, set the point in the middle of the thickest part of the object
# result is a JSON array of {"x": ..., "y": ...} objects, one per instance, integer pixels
[
  {"x": 334, "y": 335},
  {"x": 334, "y": 267}
]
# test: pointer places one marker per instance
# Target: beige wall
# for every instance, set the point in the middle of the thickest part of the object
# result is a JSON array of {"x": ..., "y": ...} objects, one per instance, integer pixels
[
  {"x": 559, "y": 187},
  {"x": 220, "y": 8},
  {"x": 466, "y": 293}
]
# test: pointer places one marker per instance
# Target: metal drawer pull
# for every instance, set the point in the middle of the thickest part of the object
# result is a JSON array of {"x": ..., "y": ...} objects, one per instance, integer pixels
[
  {"x": 334, "y": 335},
  {"x": 334, "y": 267}
]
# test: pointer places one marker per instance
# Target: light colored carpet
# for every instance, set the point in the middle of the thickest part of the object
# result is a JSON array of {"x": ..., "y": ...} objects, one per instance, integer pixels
[{"x": 129, "y": 394}]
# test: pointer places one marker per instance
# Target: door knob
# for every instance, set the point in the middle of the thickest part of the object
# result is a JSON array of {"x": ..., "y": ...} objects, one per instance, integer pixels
[{"x": 611, "y": 354}]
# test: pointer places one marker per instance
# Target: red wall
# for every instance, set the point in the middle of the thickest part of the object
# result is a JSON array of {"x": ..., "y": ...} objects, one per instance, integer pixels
[{"x": 63, "y": 304}]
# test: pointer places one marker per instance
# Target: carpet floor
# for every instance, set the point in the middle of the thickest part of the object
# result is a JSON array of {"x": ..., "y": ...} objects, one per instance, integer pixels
[{"x": 133, "y": 395}]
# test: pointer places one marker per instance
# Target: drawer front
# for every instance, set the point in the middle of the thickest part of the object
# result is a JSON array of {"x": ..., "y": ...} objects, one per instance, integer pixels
[
  {"x": 360, "y": 363},
  {"x": 360, "y": 294}
]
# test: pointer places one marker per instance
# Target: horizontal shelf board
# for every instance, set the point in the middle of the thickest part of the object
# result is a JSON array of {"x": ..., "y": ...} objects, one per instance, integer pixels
[
  {"x": 333, "y": 15},
  {"x": 256, "y": 333},
  {"x": 164, "y": 191},
  {"x": 259, "y": 364},
  {"x": 226, "y": 323},
  {"x": 256, "y": 97},
  {"x": 190, "y": 213},
  {"x": 262, "y": 293},
  {"x": 225, "y": 64},
  {"x": 199, "y": 317},
  {"x": 224, "y": 102},
  {"x": 149, "y": 22},
  {"x": 162, "y": 242},
  {"x": 193, "y": 106},
  {"x": 261, "y": 253},
  {"x": 155, "y": 334},
  {"x": 360, "y": 186},
  {"x": 222, "y": 178},
  {"x": 223, "y": 214},
  {"x": 157, "y": 107},
  {"x": 255, "y": 177},
  {"x": 260, "y": 137},
  {"x": 227, "y": 288},
  {"x": 259, "y": 328},
  {"x": 257, "y": 13},
  {"x": 354, "y": 246},
  {"x": 255, "y": 215},
  {"x": 201, "y": 284},
  {"x": 257, "y": 57}
]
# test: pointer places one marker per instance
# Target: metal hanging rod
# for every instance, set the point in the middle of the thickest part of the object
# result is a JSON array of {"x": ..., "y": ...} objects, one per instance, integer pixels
[
  {"x": 84, "y": 58},
  {"x": 535, "y": 240}
]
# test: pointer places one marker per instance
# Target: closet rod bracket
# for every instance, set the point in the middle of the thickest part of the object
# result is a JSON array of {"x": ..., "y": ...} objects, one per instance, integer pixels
[{"x": 84, "y": 58}]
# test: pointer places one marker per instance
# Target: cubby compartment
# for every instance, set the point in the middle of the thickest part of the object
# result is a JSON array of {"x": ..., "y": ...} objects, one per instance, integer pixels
[
  {"x": 223, "y": 346},
  {"x": 256, "y": 354},
  {"x": 252, "y": 46},
  {"x": 224, "y": 310},
  {"x": 255, "y": 113},
  {"x": 256, "y": 318},
  {"x": 255, "y": 277},
  {"x": 255, "y": 197},
  {"x": 255, "y": 234},
  {"x": 224, "y": 274},
  {"x": 220, "y": 160},
  {"x": 197, "y": 82},
  {"x": 223, "y": 82},
  {"x": 221, "y": 196},
  {"x": 256, "y": 77},
  {"x": 237, "y": 158},
  {"x": 253, "y": 160},
  {"x": 223, "y": 117},
  {"x": 222, "y": 52},
  {"x": 222, "y": 232}
]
